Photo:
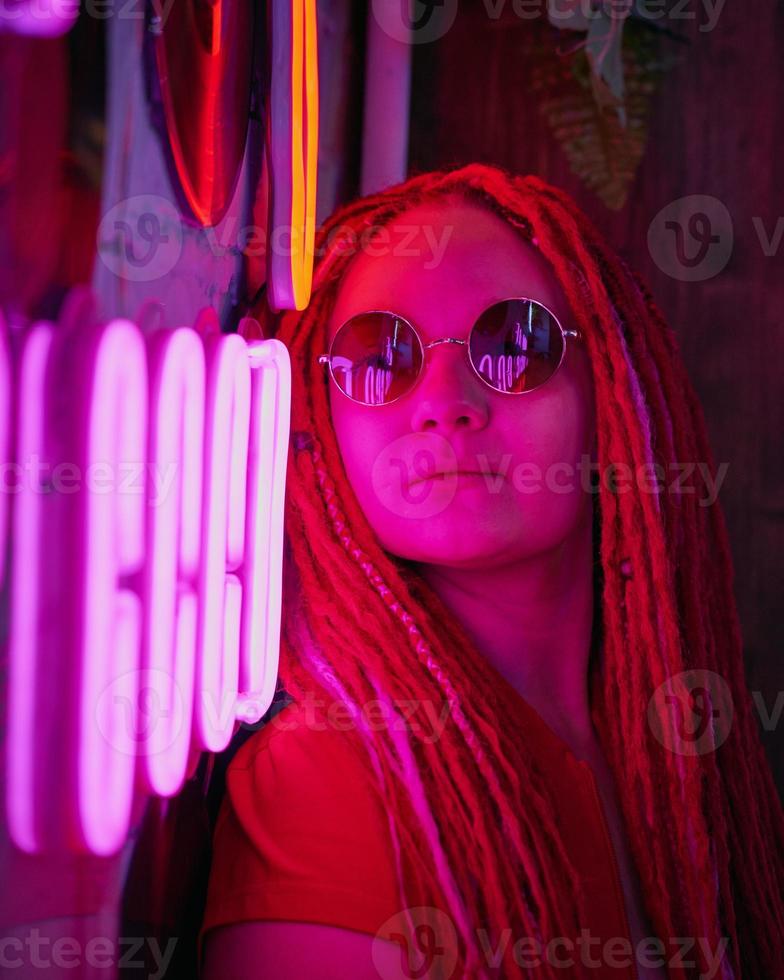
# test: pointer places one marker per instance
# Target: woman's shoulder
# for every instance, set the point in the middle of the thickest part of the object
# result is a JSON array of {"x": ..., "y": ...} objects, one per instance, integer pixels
[
  {"x": 309, "y": 752},
  {"x": 303, "y": 833}
]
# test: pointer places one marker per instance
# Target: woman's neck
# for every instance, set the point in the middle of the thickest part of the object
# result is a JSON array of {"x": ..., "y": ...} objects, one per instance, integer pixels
[{"x": 532, "y": 620}]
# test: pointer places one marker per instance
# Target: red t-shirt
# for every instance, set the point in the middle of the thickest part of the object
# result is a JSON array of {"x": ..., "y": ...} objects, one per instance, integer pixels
[{"x": 302, "y": 835}]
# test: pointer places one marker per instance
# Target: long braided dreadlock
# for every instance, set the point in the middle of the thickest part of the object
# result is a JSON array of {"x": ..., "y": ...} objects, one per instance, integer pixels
[{"x": 471, "y": 815}]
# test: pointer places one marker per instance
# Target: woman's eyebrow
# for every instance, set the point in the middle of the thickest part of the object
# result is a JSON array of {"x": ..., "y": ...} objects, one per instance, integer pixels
[{"x": 445, "y": 326}]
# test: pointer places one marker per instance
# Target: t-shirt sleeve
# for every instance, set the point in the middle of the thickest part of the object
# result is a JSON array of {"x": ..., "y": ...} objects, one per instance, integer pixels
[{"x": 301, "y": 834}]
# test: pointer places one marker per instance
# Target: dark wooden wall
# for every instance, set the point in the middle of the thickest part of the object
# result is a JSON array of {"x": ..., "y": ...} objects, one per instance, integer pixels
[{"x": 715, "y": 129}]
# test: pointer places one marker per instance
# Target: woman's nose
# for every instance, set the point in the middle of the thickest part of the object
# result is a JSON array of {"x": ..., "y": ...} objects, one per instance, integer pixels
[{"x": 448, "y": 395}]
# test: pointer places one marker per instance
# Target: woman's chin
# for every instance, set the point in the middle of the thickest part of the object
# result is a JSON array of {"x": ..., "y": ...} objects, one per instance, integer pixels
[{"x": 457, "y": 547}]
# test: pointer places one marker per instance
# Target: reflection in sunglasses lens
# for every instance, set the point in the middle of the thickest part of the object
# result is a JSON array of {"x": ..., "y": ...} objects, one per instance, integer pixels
[
  {"x": 376, "y": 357},
  {"x": 516, "y": 345}
]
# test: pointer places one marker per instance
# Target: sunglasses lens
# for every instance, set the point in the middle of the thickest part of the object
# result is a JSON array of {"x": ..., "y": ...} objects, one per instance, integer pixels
[
  {"x": 376, "y": 358},
  {"x": 516, "y": 345}
]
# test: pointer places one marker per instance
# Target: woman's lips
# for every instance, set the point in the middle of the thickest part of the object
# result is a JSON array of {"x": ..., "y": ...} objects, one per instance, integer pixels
[{"x": 453, "y": 473}]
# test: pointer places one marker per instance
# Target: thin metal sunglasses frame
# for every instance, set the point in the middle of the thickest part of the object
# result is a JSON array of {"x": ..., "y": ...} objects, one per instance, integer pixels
[{"x": 565, "y": 333}]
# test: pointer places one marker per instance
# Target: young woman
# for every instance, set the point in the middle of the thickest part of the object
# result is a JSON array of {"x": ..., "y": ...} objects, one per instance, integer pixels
[{"x": 520, "y": 741}]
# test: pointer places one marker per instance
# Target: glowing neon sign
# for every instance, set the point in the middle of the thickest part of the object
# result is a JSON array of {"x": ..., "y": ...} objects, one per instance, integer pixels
[
  {"x": 38, "y": 18},
  {"x": 145, "y": 588},
  {"x": 292, "y": 151},
  {"x": 5, "y": 437},
  {"x": 176, "y": 365}
]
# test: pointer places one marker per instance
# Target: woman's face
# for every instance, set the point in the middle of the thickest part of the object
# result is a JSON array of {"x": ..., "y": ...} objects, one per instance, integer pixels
[{"x": 533, "y": 447}]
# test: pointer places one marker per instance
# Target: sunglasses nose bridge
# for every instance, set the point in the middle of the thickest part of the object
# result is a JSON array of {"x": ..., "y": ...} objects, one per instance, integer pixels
[
  {"x": 444, "y": 340},
  {"x": 450, "y": 342}
]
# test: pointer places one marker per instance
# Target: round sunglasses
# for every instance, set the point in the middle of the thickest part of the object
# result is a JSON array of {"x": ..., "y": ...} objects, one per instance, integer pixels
[{"x": 514, "y": 347}]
